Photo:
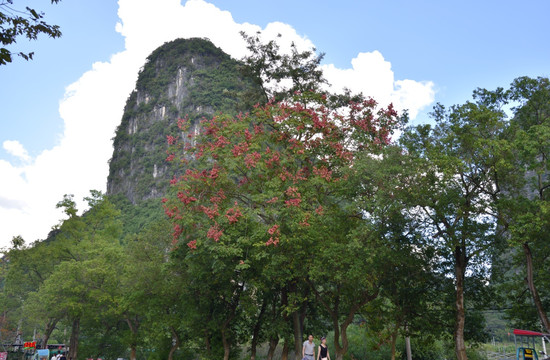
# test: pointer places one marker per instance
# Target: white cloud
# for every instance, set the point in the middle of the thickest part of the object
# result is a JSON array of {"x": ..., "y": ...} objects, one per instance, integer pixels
[
  {"x": 372, "y": 75},
  {"x": 93, "y": 105},
  {"x": 16, "y": 149}
]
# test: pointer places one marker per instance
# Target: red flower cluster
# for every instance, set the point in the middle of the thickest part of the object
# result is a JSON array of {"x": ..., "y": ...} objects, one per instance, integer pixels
[
  {"x": 274, "y": 229},
  {"x": 221, "y": 141},
  {"x": 214, "y": 173},
  {"x": 182, "y": 123},
  {"x": 192, "y": 244},
  {"x": 273, "y": 200},
  {"x": 233, "y": 214},
  {"x": 258, "y": 129},
  {"x": 252, "y": 159},
  {"x": 319, "y": 210},
  {"x": 214, "y": 233},
  {"x": 210, "y": 212},
  {"x": 274, "y": 238},
  {"x": 240, "y": 149},
  {"x": 296, "y": 197},
  {"x": 216, "y": 199},
  {"x": 171, "y": 139},
  {"x": 323, "y": 172},
  {"x": 274, "y": 158},
  {"x": 185, "y": 198},
  {"x": 171, "y": 212},
  {"x": 177, "y": 230}
]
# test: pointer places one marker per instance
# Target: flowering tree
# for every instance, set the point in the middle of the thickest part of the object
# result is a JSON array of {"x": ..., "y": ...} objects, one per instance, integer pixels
[{"x": 256, "y": 188}]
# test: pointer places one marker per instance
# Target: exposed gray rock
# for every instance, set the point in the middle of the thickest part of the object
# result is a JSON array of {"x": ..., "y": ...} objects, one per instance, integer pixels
[{"x": 185, "y": 77}]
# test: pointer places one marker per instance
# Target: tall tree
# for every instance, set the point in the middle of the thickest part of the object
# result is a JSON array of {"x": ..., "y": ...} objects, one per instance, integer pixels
[
  {"x": 527, "y": 205},
  {"x": 84, "y": 285},
  {"x": 454, "y": 193},
  {"x": 405, "y": 268},
  {"x": 260, "y": 184}
]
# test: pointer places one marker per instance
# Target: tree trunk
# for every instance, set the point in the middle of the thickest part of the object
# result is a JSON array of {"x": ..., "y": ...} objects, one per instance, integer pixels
[
  {"x": 272, "y": 346},
  {"x": 175, "y": 343},
  {"x": 341, "y": 330},
  {"x": 48, "y": 329},
  {"x": 394, "y": 340},
  {"x": 460, "y": 271},
  {"x": 338, "y": 351},
  {"x": 408, "y": 347},
  {"x": 73, "y": 342},
  {"x": 226, "y": 347},
  {"x": 286, "y": 348},
  {"x": 256, "y": 330},
  {"x": 533, "y": 289},
  {"x": 134, "y": 329},
  {"x": 173, "y": 350},
  {"x": 298, "y": 334},
  {"x": 207, "y": 342}
]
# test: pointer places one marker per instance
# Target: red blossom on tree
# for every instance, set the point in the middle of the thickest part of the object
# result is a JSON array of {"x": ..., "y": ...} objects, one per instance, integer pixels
[
  {"x": 274, "y": 229},
  {"x": 252, "y": 159},
  {"x": 211, "y": 212},
  {"x": 323, "y": 172},
  {"x": 214, "y": 233},
  {"x": 172, "y": 140},
  {"x": 233, "y": 214},
  {"x": 295, "y": 199},
  {"x": 299, "y": 152},
  {"x": 240, "y": 149}
]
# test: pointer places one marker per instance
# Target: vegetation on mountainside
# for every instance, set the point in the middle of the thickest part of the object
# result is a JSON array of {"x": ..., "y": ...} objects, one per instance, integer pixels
[{"x": 183, "y": 78}]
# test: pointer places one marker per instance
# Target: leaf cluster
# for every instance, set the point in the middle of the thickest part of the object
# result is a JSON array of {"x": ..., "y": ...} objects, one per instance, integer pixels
[{"x": 28, "y": 23}]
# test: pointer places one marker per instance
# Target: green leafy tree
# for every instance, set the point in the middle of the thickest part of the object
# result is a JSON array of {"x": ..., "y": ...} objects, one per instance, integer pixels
[
  {"x": 526, "y": 205},
  {"x": 456, "y": 187},
  {"x": 27, "y": 269},
  {"x": 409, "y": 284},
  {"x": 152, "y": 301},
  {"x": 278, "y": 75},
  {"x": 84, "y": 285},
  {"x": 16, "y": 22}
]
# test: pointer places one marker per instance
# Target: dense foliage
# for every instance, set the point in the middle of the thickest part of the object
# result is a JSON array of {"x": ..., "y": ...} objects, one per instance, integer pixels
[{"x": 303, "y": 215}]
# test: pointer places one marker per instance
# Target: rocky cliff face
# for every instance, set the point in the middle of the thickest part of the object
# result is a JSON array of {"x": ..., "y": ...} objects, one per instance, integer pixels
[{"x": 185, "y": 77}]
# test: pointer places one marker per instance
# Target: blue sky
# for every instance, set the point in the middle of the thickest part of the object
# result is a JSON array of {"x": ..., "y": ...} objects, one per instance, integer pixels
[
  {"x": 445, "y": 48},
  {"x": 459, "y": 45}
]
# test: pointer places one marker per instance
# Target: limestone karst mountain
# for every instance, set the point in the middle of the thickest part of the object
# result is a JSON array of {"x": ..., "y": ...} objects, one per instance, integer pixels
[{"x": 184, "y": 77}]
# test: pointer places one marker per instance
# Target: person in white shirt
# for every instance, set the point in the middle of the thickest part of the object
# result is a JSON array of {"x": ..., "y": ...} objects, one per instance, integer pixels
[{"x": 308, "y": 349}]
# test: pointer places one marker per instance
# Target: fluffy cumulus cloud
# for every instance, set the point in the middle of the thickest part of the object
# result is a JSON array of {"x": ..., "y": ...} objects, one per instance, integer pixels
[
  {"x": 93, "y": 105},
  {"x": 372, "y": 75},
  {"x": 15, "y": 148}
]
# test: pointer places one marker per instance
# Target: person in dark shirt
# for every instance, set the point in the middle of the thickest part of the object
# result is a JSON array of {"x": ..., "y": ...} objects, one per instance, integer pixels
[{"x": 322, "y": 353}]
